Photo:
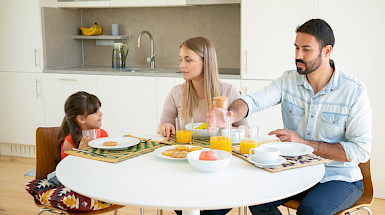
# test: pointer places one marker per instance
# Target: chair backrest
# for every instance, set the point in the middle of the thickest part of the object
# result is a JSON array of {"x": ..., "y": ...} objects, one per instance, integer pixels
[
  {"x": 46, "y": 149},
  {"x": 367, "y": 196}
]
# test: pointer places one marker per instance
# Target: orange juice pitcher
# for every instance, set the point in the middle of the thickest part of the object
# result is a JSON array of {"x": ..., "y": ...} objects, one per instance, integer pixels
[{"x": 220, "y": 133}]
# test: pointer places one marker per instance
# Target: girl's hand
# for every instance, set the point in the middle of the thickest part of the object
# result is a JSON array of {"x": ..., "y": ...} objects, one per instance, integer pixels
[
  {"x": 167, "y": 130},
  {"x": 84, "y": 142}
]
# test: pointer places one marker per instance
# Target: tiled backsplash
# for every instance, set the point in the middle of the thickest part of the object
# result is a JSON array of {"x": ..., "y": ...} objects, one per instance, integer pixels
[{"x": 170, "y": 26}]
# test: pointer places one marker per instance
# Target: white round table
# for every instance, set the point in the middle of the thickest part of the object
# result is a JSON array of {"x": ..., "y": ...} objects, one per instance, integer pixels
[{"x": 150, "y": 181}]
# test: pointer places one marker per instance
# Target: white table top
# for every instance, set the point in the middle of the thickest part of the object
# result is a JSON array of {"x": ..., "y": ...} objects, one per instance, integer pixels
[{"x": 150, "y": 181}]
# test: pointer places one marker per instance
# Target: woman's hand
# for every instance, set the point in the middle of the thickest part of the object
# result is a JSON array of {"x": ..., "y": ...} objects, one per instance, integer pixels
[
  {"x": 167, "y": 130},
  {"x": 84, "y": 142}
]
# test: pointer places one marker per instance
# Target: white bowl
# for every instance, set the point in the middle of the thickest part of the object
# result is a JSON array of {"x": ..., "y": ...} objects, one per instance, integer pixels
[
  {"x": 224, "y": 159},
  {"x": 198, "y": 133}
]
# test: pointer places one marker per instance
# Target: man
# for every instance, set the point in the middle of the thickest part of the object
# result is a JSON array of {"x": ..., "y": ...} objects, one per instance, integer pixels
[{"x": 321, "y": 107}]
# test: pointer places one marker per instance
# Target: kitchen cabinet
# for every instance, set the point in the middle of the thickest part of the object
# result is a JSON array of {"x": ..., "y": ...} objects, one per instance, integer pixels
[
  {"x": 22, "y": 108},
  {"x": 268, "y": 35},
  {"x": 58, "y": 87},
  {"x": 21, "y": 38},
  {"x": 128, "y": 104},
  {"x": 83, "y": 4},
  {"x": 269, "y": 119},
  {"x": 21, "y": 61}
]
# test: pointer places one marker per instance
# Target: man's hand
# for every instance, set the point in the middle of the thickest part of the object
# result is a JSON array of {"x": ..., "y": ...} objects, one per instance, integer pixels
[{"x": 287, "y": 136}]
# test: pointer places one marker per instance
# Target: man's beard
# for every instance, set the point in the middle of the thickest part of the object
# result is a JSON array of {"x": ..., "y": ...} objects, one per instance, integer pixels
[{"x": 309, "y": 68}]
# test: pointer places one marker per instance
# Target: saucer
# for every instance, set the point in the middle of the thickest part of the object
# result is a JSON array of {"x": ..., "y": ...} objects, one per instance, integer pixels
[{"x": 279, "y": 161}]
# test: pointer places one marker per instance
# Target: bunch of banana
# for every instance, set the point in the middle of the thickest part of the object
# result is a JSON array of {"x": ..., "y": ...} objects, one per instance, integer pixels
[{"x": 92, "y": 31}]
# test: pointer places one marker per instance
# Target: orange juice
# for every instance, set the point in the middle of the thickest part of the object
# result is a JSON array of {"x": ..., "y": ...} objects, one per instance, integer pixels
[
  {"x": 221, "y": 143},
  {"x": 246, "y": 145},
  {"x": 183, "y": 136}
]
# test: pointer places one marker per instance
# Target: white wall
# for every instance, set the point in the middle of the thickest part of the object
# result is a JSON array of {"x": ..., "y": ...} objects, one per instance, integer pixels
[{"x": 359, "y": 28}]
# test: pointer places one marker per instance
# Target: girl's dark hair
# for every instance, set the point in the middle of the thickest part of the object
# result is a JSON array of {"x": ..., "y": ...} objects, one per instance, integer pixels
[
  {"x": 320, "y": 29},
  {"x": 80, "y": 103}
]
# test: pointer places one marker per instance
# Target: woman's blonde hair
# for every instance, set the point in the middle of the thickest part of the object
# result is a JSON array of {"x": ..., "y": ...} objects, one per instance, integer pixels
[{"x": 206, "y": 50}]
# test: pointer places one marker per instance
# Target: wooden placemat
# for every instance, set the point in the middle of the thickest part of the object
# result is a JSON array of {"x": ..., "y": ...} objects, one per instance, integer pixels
[
  {"x": 291, "y": 162},
  {"x": 114, "y": 156},
  {"x": 205, "y": 143}
]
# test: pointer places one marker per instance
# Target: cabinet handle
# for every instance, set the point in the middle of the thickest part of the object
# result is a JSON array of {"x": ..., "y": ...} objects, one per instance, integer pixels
[
  {"x": 37, "y": 57},
  {"x": 67, "y": 79},
  {"x": 246, "y": 61},
  {"x": 37, "y": 88}
]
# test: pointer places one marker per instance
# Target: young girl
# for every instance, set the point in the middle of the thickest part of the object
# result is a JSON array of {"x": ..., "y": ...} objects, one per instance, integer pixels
[{"x": 82, "y": 112}]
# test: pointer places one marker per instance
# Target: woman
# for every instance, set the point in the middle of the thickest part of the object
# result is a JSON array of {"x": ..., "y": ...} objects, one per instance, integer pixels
[{"x": 194, "y": 97}]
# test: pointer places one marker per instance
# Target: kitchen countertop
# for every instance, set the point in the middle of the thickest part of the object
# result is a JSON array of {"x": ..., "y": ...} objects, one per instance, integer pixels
[{"x": 224, "y": 73}]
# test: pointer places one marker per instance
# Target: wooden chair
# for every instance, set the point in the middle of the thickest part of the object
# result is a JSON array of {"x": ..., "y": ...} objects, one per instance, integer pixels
[
  {"x": 362, "y": 204},
  {"x": 46, "y": 146}
]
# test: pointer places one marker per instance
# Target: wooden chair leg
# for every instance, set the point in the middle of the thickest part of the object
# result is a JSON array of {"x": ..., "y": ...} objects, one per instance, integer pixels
[
  {"x": 245, "y": 210},
  {"x": 160, "y": 212},
  {"x": 141, "y": 211},
  {"x": 288, "y": 211}
]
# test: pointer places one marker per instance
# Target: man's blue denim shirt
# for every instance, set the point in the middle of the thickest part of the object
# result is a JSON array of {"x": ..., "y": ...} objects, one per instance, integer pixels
[{"x": 339, "y": 113}]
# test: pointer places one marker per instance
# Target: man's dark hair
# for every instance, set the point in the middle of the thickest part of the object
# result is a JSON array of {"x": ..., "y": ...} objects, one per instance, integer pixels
[{"x": 320, "y": 29}]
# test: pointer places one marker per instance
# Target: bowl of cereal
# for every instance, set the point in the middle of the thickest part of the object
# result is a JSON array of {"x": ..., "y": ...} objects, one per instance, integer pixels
[{"x": 205, "y": 161}]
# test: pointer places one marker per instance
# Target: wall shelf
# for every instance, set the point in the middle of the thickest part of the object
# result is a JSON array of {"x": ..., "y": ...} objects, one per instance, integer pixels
[{"x": 102, "y": 40}]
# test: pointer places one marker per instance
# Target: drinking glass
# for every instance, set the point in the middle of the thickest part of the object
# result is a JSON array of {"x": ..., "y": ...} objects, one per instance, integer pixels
[
  {"x": 184, "y": 126},
  {"x": 92, "y": 133},
  {"x": 249, "y": 138}
]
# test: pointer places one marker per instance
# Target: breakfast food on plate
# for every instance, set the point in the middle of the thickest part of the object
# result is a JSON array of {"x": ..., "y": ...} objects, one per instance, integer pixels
[
  {"x": 169, "y": 151},
  {"x": 182, "y": 148},
  {"x": 110, "y": 143},
  {"x": 179, "y": 154},
  {"x": 180, "y": 151},
  {"x": 194, "y": 148}
]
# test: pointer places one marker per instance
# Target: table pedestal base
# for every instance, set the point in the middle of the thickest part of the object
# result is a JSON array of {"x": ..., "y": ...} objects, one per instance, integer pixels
[{"x": 191, "y": 212}]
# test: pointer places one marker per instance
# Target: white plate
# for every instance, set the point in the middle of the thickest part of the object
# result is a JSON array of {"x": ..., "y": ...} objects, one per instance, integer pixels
[
  {"x": 279, "y": 161},
  {"x": 158, "y": 152},
  {"x": 123, "y": 142},
  {"x": 291, "y": 149}
]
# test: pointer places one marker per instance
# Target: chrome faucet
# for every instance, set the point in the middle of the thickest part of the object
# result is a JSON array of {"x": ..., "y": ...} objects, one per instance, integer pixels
[{"x": 150, "y": 59}]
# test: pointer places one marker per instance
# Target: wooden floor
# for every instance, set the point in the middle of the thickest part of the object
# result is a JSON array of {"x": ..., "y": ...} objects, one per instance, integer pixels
[{"x": 14, "y": 199}]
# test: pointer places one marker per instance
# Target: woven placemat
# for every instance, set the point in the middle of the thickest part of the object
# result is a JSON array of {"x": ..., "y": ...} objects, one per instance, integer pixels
[
  {"x": 205, "y": 143},
  {"x": 114, "y": 156},
  {"x": 291, "y": 162}
]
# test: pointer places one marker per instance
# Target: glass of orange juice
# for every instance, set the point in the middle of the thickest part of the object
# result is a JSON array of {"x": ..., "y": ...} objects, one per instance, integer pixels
[
  {"x": 221, "y": 143},
  {"x": 184, "y": 126},
  {"x": 249, "y": 138}
]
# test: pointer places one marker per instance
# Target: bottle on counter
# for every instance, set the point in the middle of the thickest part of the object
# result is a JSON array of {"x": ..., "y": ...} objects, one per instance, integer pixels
[{"x": 220, "y": 133}]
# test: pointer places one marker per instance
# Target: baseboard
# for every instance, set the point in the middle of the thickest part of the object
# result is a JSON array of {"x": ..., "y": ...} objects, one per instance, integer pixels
[
  {"x": 379, "y": 187},
  {"x": 17, "y": 150}
]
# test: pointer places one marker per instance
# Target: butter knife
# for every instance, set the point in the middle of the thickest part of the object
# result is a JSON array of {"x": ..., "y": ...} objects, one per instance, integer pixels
[{"x": 79, "y": 150}]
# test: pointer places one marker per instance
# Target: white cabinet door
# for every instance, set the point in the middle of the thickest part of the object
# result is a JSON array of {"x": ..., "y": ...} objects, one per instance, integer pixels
[
  {"x": 138, "y": 3},
  {"x": 269, "y": 119},
  {"x": 268, "y": 35},
  {"x": 22, "y": 109},
  {"x": 128, "y": 104},
  {"x": 21, "y": 36},
  {"x": 58, "y": 87}
]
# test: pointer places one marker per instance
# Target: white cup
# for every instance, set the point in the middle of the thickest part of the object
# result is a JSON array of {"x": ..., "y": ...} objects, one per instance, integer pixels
[
  {"x": 264, "y": 154},
  {"x": 115, "y": 29}
]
